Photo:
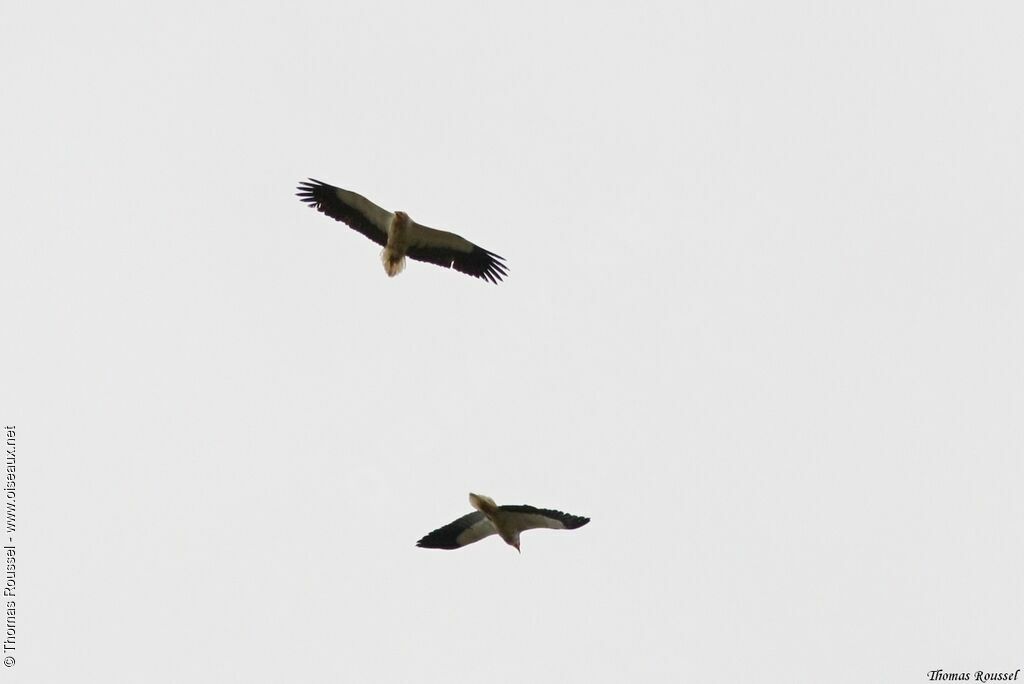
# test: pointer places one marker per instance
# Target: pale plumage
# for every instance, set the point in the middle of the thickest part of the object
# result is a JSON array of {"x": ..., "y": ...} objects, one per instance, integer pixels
[
  {"x": 401, "y": 236},
  {"x": 506, "y": 521}
]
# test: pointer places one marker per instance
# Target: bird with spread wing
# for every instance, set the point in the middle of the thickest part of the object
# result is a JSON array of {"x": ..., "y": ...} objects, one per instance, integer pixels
[
  {"x": 506, "y": 521},
  {"x": 400, "y": 236}
]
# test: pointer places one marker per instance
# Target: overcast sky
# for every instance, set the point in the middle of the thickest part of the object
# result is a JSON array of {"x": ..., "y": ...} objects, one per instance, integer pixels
[{"x": 763, "y": 326}]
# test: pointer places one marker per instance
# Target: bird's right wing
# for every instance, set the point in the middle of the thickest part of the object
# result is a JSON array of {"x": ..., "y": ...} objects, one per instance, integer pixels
[
  {"x": 466, "y": 530},
  {"x": 454, "y": 251},
  {"x": 353, "y": 209},
  {"x": 530, "y": 518}
]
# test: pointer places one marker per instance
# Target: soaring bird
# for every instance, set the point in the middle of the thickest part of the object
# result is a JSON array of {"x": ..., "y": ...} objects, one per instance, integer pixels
[
  {"x": 401, "y": 236},
  {"x": 490, "y": 518}
]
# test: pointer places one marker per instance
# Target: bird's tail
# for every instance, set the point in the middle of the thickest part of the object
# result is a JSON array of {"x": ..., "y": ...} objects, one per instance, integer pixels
[
  {"x": 393, "y": 263},
  {"x": 484, "y": 504}
]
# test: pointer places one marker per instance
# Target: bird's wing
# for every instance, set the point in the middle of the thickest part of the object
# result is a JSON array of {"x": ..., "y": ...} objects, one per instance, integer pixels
[
  {"x": 529, "y": 518},
  {"x": 466, "y": 530},
  {"x": 454, "y": 251},
  {"x": 352, "y": 208}
]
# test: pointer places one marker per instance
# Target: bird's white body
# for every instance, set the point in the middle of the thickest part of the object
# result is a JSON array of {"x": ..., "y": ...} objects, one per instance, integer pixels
[{"x": 504, "y": 524}]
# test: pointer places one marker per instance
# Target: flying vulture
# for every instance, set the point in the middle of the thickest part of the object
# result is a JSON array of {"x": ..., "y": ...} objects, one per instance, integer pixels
[
  {"x": 490, "y": 518},
  {"x": 401, "y": 236}
]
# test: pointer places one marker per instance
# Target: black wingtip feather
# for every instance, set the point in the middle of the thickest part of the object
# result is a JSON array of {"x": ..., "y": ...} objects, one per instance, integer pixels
[
  {"x": 571, "y": 522},
  {"x": 483, "y": 264},
  {"x": 438, "y": 539},
  {"x": 307, "y": 192}
]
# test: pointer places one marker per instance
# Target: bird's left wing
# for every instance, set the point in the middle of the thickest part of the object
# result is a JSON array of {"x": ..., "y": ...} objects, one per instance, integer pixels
[
  {"x": 530, "y": 518},
  {"x": 466, "y": 530},
  {"x": 353, "y": 209},
  {"x": 454, "y": 251}
]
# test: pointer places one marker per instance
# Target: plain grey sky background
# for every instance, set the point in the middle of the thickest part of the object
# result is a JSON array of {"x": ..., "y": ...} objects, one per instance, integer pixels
[{"x": 763, "y": 325}]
